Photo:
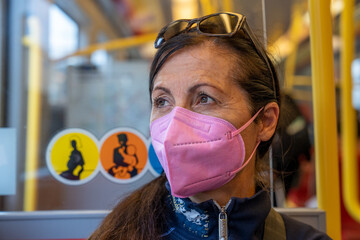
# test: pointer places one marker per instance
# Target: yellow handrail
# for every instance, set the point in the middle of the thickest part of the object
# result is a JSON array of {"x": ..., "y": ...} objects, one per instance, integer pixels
[
  {"x": 33, "y": 114},
  {"x": 348, "y": 115},
  {"x": 326, "y": 153},
  {"x": 116, "y": 44}
]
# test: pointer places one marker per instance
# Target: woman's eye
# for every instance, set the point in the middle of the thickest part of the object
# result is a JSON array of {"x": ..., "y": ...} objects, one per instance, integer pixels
[
  {"x": 205, "y": 99},
  {"x": 161, "y": 102}
]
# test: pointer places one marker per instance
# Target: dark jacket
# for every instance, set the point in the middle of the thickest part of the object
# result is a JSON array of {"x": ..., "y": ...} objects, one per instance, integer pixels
[{"x": 246, "y": 220}]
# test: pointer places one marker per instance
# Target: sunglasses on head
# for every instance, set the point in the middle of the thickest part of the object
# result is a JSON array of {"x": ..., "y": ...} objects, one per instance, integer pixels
[{"x": 217, "y": 25}]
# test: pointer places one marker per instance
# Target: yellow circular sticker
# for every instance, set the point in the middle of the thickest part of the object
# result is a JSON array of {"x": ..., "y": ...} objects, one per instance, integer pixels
[
  {"x": 123, "y": 155},
  {"x": 72, "y": 156}
]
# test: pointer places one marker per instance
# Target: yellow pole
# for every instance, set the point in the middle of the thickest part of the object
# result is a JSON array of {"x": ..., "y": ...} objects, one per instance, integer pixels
[
  {"x": 207, "y": 7},
  {"x": 326, "y": 153},
  {"x": 33, "y": 114},
  {"x": 228, "y": 5},
  {"x": 348, "y": 115}
]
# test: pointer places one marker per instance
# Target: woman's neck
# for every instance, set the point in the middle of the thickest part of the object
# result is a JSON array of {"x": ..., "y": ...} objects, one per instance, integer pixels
[{"x": 242, "y": 186}]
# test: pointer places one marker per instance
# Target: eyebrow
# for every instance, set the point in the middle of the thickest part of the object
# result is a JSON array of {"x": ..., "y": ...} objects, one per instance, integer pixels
[
  {"x": 162, "y": 89},
  {"x": 190, "y": 90},
  {"x": 193, "y": 88}
]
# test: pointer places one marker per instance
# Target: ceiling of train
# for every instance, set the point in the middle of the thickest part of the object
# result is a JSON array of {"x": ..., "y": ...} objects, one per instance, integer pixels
[{"x": 121, "y": 18}]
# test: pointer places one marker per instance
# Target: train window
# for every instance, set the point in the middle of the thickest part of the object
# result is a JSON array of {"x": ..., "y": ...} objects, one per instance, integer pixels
[{"x": 75, "y": 94}]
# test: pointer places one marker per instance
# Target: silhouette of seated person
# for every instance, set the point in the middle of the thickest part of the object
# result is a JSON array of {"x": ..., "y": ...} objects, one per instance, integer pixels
[
  {"x": 125, "y": 159},
  {"x": 75, "y": 160},
  {"x": 292, "y": 146}
]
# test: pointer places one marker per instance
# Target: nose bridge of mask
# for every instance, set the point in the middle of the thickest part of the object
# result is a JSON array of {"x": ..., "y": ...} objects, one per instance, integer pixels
[
  {"x": 187, "y": 117},
  {"x": 200, "y": 122},
  {"x": 181, "y": 115},
  {"x": 238, "y": 131},
  {"x": 204, "y": 126}
]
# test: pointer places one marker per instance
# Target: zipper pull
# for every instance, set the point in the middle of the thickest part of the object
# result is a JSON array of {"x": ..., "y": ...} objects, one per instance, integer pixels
[{"x": 223, "y": 226}]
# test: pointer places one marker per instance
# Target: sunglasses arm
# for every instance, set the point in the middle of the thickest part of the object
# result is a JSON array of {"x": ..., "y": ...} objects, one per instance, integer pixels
[{"x": 260, "y": 50}]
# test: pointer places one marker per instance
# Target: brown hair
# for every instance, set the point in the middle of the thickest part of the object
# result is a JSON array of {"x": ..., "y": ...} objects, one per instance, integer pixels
[
  {"x": 142, "y": 214},
  {"x": 139, "y": 217}
]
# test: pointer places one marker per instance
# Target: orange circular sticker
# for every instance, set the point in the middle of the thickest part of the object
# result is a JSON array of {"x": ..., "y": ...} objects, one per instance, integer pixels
[{"x": 123, "y": 155}]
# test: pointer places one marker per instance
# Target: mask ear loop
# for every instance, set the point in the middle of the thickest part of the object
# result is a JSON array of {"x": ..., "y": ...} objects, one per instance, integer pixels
[
  {"x": 233, "y": 134},
  {"x": 248, "y": 160}
]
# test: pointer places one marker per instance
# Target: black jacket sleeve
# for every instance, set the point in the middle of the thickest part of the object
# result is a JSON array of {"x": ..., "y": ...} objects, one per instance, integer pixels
[{"x": 296, "y": 230}]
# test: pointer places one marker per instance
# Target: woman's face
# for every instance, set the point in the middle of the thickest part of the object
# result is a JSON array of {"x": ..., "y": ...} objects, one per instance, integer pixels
[{"x": 198, "y": 79}]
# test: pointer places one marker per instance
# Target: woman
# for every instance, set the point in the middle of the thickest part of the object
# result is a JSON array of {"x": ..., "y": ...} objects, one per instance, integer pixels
[{"x": 215, "y": 107}]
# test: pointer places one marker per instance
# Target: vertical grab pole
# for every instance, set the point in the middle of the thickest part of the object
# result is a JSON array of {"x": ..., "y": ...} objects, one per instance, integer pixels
[
  {"x": 228, "y": 5},
  {"x": 326, "y": 153},
  {"x": 348, "y": 114},
  {"x": 33, "y": 114}
]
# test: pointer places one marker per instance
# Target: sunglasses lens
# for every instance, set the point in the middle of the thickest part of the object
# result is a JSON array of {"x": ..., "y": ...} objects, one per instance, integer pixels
[
  {"x": 219, "y": 24},
  {"x": 175, "y": 28}
]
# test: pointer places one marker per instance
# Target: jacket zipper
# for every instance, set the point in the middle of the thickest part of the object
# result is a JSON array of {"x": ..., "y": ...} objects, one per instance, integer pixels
[{"x": 222, "y": 221}]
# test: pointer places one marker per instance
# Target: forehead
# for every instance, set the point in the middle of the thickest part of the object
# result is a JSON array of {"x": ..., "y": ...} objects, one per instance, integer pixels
[{"x": 196, "y": 63}]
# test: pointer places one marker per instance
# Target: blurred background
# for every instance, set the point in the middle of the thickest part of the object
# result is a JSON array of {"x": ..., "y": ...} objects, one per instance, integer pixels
[{"x": 86, "y": 64}]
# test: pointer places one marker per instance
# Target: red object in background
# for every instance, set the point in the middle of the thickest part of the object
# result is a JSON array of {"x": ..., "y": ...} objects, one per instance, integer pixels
[
  {"x": 349, "y": 227},
  {"x": 306, "y": 189}
]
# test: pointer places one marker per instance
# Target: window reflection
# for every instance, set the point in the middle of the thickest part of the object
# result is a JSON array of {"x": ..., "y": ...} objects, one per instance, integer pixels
[{"x": 63, "y": 33}]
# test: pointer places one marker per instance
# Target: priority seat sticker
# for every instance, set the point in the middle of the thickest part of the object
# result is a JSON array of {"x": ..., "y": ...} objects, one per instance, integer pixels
[
  {"x": 75, "y": 156},
  {"x": 72, "y": 156},
  {"x": 123, "y": 155}
]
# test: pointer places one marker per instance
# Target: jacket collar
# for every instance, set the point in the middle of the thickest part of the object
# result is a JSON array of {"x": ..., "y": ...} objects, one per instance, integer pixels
[{"x": 246, "y": 217}]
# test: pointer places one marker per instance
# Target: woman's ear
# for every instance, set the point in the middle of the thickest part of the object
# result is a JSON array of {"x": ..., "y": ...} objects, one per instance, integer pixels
[{"x": 269, "y": 120}]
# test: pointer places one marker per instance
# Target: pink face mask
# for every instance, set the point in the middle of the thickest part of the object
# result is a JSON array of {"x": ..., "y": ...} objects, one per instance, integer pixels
[{"x": 198, "y": 152}]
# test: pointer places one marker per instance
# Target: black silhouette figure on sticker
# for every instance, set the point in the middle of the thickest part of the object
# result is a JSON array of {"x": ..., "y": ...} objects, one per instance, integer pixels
[
  {"x": 125, "y": 159},
  {"x": 76, "y": 159}
]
